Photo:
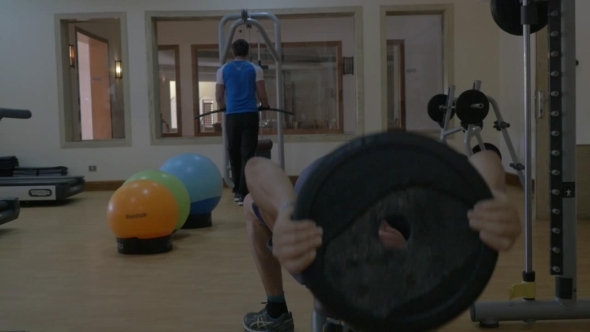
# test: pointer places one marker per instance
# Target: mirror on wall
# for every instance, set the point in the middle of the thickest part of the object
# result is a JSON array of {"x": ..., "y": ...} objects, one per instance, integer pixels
[
  {"x": 316, "y": 86},
  {"x": 92, "y": 83}
]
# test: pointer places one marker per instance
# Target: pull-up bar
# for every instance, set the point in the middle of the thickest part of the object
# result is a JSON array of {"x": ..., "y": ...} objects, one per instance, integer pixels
[{"x": 250, "y": 19}]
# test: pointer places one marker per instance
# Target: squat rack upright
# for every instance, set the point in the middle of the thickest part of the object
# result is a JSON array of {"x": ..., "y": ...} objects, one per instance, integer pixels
[{"x": 562, "y": 164}]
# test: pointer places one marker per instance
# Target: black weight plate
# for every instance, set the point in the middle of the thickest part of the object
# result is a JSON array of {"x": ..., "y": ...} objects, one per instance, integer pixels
[
  {"x": 444, "y": 267},
  {"x": 507, "y": 15},
  {"x": 435, "y": 112},
  {"x": 470, "y": 115},
  {"x": 488, "y": 146}
]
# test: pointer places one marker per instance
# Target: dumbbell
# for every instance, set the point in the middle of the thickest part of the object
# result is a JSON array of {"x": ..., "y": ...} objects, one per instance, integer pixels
[
  {"x": 437, "y": 107},
  {"x": 472, "y": 107}
]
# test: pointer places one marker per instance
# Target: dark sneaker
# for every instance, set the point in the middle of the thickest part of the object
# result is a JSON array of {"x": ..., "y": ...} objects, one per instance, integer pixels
[
  {"x": 236, "y": 197},
  {"x": 262, "y": 322}
]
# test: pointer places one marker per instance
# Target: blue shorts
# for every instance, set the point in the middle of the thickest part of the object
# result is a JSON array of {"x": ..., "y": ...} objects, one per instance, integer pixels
[{"x": 269, "y": 244}]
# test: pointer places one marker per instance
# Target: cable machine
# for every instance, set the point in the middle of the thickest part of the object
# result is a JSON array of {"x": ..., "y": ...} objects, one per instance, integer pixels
[{"x": 251, "y": 19}]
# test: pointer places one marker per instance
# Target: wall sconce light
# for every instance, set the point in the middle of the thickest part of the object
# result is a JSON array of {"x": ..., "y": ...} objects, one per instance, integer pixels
[
  {"x": 118, "y": 70},
  {"x": 348, "y": 65},
  {"x": 72, "y": 56}
]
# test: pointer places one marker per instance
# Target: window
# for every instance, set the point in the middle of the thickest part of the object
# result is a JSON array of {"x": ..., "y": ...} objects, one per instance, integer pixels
[
  {"x": 415, "y": 68},
  {"x": 92, "y": 81},
  {"x": 316, "y": 86},
  {"x": 170, "y": 106},
  {"x": 312, "y": 80}
]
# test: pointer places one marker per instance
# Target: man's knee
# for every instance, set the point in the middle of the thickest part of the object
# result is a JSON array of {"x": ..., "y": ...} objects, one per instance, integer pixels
[
  {"x": 489, "y": 157},
  {"x": 489, "y": 165},
  {"x": 252, "y": 165},
  {"x": 248, "y": 209}
]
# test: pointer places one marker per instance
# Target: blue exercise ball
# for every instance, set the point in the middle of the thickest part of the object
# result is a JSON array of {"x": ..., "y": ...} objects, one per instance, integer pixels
[{"x": 204, "y": 184}]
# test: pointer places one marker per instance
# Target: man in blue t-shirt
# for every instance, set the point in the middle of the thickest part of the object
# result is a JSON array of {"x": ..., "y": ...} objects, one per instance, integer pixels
[
  {"x": 239, "y": 82},
  {"x": 278, "y": 242}
]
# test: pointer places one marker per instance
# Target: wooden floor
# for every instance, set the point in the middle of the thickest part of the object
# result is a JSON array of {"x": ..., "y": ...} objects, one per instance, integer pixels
[{"x": 60, "y": 271}]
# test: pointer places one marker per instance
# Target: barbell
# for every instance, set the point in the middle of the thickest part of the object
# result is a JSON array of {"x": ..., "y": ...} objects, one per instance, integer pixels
[
  {"x": 471, "y": 107},
  {"x": 260, "y": 109},
  {"x": 509, "y": 14}
]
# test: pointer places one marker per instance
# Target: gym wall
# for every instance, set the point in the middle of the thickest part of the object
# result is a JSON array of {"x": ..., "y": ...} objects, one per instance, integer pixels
[{"x": 29, "y": 79}]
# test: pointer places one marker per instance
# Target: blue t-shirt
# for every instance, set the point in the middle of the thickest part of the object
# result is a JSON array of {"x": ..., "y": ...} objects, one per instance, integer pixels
[{"x": 239, "y": 78}]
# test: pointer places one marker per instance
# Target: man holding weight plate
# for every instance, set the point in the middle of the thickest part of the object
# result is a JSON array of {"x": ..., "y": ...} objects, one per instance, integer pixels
[{"x": 276, "y": 240}]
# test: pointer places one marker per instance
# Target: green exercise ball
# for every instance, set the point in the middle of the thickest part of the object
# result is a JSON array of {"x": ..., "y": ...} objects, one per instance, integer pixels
[{"x": 173, "y": 184}]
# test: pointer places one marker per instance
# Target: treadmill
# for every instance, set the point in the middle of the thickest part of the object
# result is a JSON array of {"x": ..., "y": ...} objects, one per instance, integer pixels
[
  {"x": 9, "y": 210},
  {"x": 38, "y": 188}
]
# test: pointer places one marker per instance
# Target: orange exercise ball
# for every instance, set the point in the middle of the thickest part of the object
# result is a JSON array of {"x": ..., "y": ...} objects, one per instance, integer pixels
[{"x": 142, "y": 215}]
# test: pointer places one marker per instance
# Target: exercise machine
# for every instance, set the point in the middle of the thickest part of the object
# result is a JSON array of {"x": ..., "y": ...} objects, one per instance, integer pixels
[
  {"x": 471, "y": 107},
  {"x": 559, "y": 16},
  {"x": 38, "y": 188},
  {"x": 9, "y": 209},
  {"x": 225, "y": 40}
]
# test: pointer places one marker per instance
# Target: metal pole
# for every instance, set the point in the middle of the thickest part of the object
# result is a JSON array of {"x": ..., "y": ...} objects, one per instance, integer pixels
[
  {"x": 507, "y": 138},
  {"x": 280, "y": 92},
  {"x": 477, "y": 85},
  {"x": 528, "y": 165},
  {"x": 450, "y": 101}
]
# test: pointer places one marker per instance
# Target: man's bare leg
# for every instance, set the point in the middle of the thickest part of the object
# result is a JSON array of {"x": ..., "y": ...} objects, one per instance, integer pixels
[
  {"x": 269, "y": 186},
  {"x": 491, "y": 218},
  {"x": 489, "y": 165},
  {"x": 259, "y": 234}
]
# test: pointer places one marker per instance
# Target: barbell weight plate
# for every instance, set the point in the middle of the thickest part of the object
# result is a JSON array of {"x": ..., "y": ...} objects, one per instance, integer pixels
[
  {"x": 406, "y": 177},
  {"x": 488, "y": 146},
  {"x": 507, "y": 15},
  {"x": 436, "y": 109},
  {"x": 467, "y": 106}
]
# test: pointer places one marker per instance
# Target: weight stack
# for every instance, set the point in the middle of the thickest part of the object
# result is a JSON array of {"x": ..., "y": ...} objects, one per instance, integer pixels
[{"x": 264, "y": 148}]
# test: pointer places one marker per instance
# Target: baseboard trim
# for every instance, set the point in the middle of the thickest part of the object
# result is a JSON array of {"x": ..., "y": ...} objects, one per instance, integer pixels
[
  {"x": 114, "y": 185},
  {"x": 514, "y": 181},
  {"x": 103, "y": 185},
  {"x": 511, "y": 180}
]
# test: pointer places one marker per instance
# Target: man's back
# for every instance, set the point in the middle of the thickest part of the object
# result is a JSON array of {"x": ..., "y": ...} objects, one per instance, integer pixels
[{"x": 239, "y": 78}]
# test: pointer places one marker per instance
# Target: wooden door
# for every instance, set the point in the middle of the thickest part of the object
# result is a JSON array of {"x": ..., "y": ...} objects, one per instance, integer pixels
[
  {"x": 95, "y": 82},
  {"x": 396, "y": 88}
]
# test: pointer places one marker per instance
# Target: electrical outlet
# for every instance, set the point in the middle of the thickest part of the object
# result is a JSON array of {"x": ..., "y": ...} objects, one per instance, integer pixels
[{"x": 92, "y": 168}]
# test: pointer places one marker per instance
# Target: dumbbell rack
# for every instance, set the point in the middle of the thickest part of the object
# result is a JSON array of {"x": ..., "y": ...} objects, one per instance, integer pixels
[
  {"x": 474, "y": 130},
  {"x": 562, "y": 138}
]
